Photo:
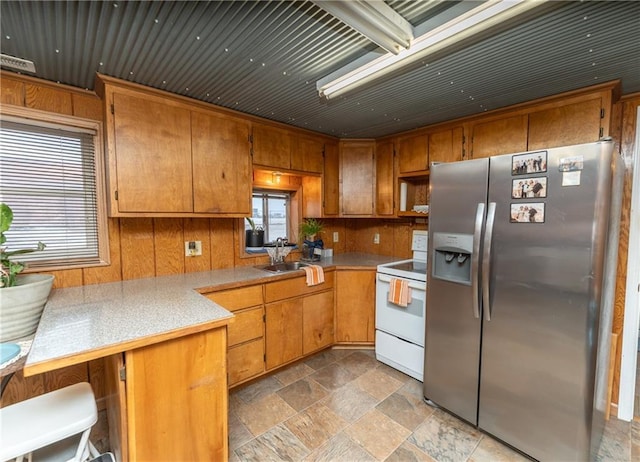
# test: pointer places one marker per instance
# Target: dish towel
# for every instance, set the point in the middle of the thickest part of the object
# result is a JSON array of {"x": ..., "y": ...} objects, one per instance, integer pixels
[
  {"x": 315, "y": 274},
  {"x": 399, "y": 292}
]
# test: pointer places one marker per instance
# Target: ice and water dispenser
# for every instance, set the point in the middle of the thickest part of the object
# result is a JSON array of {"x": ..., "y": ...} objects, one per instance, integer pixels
[{"x": 452, "y": 257}]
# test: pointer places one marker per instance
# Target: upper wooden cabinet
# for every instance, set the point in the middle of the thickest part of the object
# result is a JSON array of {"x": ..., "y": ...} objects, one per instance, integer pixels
[
  {"x": 166, "y": 157},
  {"x": 308, "y": 154},
  {"x": 446, "y": 145},
  {"x": 331, "y": 180},
  {"x": 271, "y": 147},
  {"x": 221, "y": 164},
  {"x": 357, "y": 177},
  {"x": 384, "y": 178},
  {"x": 575, "y": 118},
  {"x": 150, "y": 145},
  {"x": 413, "y": 153}
]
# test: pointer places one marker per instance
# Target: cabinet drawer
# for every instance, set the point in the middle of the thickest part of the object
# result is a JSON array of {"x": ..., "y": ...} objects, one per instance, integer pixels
[
  {"x": 237, "y": 299},
  {"x": 247, "y": 325},
  {"x": 245, "y": 361},
  {"x": 288, "y": 288}
]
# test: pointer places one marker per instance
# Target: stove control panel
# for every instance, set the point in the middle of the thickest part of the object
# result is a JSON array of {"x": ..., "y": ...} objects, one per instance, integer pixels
[{"x": 419, "y": 241}]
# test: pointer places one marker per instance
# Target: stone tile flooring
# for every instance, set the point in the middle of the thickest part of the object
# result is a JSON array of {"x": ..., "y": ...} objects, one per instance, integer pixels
[{"x": 344, "y": 405}]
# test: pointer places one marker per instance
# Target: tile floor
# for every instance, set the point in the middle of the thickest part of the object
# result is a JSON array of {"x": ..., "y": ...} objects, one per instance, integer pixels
[{"x": 344, "y": 405}]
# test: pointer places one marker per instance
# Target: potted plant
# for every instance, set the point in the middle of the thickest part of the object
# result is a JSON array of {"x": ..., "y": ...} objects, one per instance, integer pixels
[
  {"x": 254, "y": 237},
  {"x": 22, "y": 297},
  {"x": 310, "y": 230}
]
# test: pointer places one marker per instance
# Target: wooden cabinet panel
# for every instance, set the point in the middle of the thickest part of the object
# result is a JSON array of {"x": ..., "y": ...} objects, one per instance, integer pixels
[
  {"x": 317, "y": 316},
  {"x": 283, "y": 332},
  {"x": 245, "y": 361},
  {"x": 247, "y": 325},
  {"x": 295, "y": 287},
  {"x": 355, "y": 306},
  {"x": 236, "y": 299},
  {"x": 153, "y": 155},
  {"x": 357, "y": 177},
  {"x": 413, "y": 154},
  {"x": 565, "y": 125},
  {"x": 307, "y": 155},
  {"x": 331, "y": 180},
  {"x": 502, "y": 136},
  {"x": 384, "y": 178},
  {"x": 192, "y": 423},
  {"x": 271, "y": 147},
  {"x": 446, "y": 146},
  {"x": 221, "y": 164}
]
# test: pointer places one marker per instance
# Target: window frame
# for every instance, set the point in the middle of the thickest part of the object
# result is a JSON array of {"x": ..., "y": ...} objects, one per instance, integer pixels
[
  {"x": 272, "y": 192},
  {"x": 40, "y": 118}
]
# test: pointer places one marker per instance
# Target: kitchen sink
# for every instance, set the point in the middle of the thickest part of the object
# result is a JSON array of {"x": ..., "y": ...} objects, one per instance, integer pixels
[{"x": 283, "y": 267}]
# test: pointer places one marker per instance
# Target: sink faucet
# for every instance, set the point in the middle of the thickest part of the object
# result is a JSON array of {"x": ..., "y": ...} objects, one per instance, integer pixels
[{"x": 279, "y": 258}]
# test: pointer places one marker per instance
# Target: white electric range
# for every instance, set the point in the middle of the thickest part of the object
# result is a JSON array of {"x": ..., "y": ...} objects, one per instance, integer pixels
[{"x": 400, "y": 330}]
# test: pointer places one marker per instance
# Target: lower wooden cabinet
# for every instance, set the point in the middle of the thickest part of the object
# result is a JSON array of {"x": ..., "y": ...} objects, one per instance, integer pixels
[
  {"x": 245, "y": 361},
  {"x": 355, "y": 306},
  {"x": 283, "y": 332},
  {"x": 317, "y": 322}
]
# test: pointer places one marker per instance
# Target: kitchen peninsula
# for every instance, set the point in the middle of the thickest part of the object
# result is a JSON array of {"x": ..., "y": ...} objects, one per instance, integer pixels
[{"x": 164, "y": 346}]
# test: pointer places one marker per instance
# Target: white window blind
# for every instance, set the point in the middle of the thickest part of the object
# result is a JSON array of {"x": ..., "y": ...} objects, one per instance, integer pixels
[{"x": 48, "y": 178}]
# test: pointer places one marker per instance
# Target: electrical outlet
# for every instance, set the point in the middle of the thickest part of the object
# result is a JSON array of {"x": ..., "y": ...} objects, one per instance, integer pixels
[
  {"x": 192, "y": 248},
  {"x": 336, "y": 236},
  {"x": 376, "y": 238}
]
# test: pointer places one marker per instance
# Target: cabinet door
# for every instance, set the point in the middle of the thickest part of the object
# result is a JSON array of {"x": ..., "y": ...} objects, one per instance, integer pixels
[
  {"x": 355, "y": 306},
  {"x": 271, "y": 147},
  {"x": 357, "y": 178},
  {"x": 283, "y": 332},
  {"x": 245, "y": 361},
  {"x": 502, "y": 136},
  {"x": 565, "y": 125},
  {"x": 221, "y": 164},
  {"x": 153, "y": 155},
  {"x": 307, "y": 156},
  {"x": 331, "y": 180},
  {"x": 446, "y": 146},
  {"x": 177, "y": 398},
  {"x": 413, "y": 154},
  {"x": 317, "y": 317},
  {"x": 384, "y": 178}
]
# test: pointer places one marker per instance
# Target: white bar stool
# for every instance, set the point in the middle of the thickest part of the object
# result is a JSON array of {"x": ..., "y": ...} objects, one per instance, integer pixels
[{"x": 54, "y": 423}]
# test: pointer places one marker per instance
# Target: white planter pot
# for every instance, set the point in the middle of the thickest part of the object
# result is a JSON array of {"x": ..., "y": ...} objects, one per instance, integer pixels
[{"x": 21, "y": 305}]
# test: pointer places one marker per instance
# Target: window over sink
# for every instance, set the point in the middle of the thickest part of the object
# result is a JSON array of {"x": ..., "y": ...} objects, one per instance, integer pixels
[{"x": 271, "y": 212}]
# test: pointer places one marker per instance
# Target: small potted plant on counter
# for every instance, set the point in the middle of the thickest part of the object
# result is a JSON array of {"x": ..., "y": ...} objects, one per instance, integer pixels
[
  {"x": 22, "y": 297},
  {"x": 254, "y": 237},
  {"x": 310, "y": 230}
]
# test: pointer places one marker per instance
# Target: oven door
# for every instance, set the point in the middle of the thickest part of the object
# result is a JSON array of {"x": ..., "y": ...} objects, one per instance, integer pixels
[{"x": 405, "y": 323}]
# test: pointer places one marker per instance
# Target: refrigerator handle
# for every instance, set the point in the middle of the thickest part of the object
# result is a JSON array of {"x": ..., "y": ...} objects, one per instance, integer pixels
[
  {"x": 475, "y": 259},
  {"x": 486, "y": 261}
]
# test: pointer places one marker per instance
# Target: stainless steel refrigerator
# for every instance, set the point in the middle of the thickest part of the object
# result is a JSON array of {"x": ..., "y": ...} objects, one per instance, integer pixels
[{"x": 519, "y": 306}]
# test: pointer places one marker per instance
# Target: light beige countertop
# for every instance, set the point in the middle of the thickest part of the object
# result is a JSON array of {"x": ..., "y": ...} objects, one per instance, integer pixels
[{"x": 93, "y": 321}]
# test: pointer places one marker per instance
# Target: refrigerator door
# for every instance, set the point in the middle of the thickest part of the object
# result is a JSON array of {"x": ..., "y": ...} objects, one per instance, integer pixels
[
  {"x": 540, "y": 340},
  {"x": 453, "y": 318}
]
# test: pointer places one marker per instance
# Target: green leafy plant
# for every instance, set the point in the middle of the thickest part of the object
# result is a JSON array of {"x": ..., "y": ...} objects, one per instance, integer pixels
[
  {"x": 10, "y": 269},
  {"x": 310, "y": 227}
]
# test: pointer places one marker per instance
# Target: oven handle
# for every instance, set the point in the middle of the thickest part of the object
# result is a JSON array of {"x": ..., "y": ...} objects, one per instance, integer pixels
[
  {"x": 413, "y": 284},
  {"x": 475, "y": 259}
]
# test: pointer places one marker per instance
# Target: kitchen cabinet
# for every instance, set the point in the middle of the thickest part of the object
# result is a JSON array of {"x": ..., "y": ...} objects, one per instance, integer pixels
[
  {"x": 151, "y": 150},
  {"x": 245, "y": 351},
  {"x": 500, "y": 136},
  {"x": 446, "y": 145},
  {"x": 355, "y": 306},
  {"x": 169, "y": 158},
  {"x": 271, "y": 147},
  {"x": 413, "y": 153},
  {"x": 308, "y": 154},
  {"x": 221, "y": 164},
  {"x": 357, "y": 177},
  {"x": 299, "y": 318},
  {"x": 331, "y": 180},
  {"x": 384, "y": 178},
  {"x": 171, "y": 408}
]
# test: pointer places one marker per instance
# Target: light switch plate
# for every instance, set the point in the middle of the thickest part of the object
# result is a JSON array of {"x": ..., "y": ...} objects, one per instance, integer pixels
[
  {"x": 336, "y": 236},
  {"x": 192, "y": 248}
]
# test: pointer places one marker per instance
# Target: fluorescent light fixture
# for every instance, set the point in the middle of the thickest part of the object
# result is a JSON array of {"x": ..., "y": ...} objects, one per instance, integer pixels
[
  {"x": 18, "y": 64},
  {"x": 479, "y": 19},
  {"x": 374, "y": 19}
]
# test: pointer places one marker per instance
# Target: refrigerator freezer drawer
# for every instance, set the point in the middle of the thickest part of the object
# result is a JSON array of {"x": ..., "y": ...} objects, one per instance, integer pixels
[{"x": 399, "y": 354}]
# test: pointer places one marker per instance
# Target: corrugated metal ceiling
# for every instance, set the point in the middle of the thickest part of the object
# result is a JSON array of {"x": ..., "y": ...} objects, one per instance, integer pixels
[{"x": 264, "y": 57}]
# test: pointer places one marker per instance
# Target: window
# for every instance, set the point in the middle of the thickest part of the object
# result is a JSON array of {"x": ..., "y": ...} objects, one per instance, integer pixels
[
  {"x": 51, "y": 178},
  {"x": 271, "y": 212}
]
